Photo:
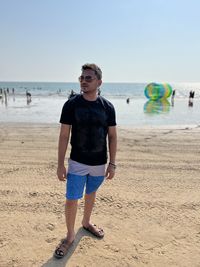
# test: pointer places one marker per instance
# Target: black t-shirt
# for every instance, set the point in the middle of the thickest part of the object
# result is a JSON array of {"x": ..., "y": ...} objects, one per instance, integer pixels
[{"x": 90, "y": 121}]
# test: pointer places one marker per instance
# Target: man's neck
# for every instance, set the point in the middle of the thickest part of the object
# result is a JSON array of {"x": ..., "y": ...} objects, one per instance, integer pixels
[{"x": 90, "y": 97}]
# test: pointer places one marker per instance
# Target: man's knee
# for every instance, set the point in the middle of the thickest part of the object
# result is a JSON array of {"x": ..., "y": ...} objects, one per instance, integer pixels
[
  {"x": 71, "y": 202},
  {"x": 92, "y": 194}
]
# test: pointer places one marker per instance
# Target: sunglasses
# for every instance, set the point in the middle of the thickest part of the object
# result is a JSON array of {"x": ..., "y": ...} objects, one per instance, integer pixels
[{"x": 88, "y": 78}]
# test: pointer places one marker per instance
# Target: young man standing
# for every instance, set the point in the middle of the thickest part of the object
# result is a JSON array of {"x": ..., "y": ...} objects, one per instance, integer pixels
[{"x": 90, "y": 119}]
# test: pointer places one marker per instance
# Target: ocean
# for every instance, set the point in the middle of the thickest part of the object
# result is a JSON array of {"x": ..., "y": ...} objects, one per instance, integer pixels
[{"x": 47, "y": 100}]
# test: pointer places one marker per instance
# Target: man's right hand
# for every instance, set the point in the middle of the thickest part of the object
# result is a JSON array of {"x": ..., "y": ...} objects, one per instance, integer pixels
[{"x": 61, "y": 173}]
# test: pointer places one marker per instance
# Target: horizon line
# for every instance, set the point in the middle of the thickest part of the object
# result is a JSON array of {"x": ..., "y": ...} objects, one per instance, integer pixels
[{"x": 21, "y": 81}]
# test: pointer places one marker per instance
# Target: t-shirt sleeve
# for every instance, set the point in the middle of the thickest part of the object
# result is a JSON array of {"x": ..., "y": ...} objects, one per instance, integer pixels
[
  {"x": 67, "y": 113},
  {"x": 112, "y": 116}
]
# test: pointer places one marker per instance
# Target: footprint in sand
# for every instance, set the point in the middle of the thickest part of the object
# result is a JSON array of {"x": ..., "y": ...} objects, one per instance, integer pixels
[
  {"x": 33, "y": 194},
  {"x": 41, "y": 227},
  {"x": 50, "y": 226},
  {"x": 50, "y": 240}
]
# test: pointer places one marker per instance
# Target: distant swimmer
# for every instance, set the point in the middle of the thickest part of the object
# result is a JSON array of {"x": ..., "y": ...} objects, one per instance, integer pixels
[
  {"x": 191, "y": 97},
  {"x": 191, "y": 94},
  {"x": 172, "y": 98},
  {"x": 5, "y": 97},
  {"x": 72, "y": 93},
  {"x": 28, "y": 97},
  {"x": 128, "y": 100}
]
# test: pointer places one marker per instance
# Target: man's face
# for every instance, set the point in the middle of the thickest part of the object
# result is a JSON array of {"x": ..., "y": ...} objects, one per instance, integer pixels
[{"x": 89, "y": 82}]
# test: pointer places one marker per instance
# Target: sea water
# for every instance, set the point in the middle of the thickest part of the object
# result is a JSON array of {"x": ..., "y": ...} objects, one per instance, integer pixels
[{"x": 47, "y": 100}]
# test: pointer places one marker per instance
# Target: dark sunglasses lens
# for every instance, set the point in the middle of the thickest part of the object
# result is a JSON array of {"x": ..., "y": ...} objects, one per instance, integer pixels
[{"x": 86, "y": 78}]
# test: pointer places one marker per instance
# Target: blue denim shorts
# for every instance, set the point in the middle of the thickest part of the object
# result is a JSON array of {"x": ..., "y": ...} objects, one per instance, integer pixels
[
  {"x": 76, "y": 184},
  {"x": 82, "y": 177}
]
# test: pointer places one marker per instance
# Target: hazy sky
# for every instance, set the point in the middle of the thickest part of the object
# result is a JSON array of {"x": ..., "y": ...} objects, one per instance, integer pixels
[{"x": 131, "y": 40}]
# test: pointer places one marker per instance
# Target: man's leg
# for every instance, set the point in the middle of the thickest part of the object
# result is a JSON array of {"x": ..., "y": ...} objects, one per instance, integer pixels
[
  {"x": 92, "y": 185},
  {"x": 70, "y": 216},
  {"x": 74, "y": 191},
  {"x": 87, "y": 225},
  {"x": 89, "y": 204}
]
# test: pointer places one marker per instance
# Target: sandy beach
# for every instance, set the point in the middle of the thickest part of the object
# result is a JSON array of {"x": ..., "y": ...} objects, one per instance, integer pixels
[{"x": 149, "y": 211}]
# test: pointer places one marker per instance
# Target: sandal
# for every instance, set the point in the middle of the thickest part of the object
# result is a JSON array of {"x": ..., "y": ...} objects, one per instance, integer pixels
[
  {"x": 62, "y": 249},
  {"x": 94, "y": 230}
]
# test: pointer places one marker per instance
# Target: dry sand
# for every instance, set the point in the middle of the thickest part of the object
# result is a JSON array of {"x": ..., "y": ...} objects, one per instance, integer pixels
[{"x": 149, "y": 211}]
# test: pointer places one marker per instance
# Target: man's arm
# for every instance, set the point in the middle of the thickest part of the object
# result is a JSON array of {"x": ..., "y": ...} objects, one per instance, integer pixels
[
  {"x": 62, "y": 148},
  {"x": 112, "y": 143}
]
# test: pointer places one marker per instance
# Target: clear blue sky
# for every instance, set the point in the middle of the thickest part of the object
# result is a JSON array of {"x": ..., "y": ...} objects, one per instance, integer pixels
[{"x": 131, "y": 40}]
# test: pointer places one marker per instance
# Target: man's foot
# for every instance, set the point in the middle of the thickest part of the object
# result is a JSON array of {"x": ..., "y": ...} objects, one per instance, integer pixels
[
  {"x": 62, "y": 248},
  {"x": 94, "y": 230}
]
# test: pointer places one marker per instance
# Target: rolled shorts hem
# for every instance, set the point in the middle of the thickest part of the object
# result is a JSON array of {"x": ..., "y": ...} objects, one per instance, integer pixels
[{"x": 73, "y": 197}]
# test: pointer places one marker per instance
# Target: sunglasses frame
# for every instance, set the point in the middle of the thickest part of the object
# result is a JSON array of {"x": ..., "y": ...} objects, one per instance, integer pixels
[{"x": 86, "y": 78}]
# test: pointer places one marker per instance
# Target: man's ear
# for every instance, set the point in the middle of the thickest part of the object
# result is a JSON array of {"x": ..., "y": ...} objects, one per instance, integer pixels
[{"x": 99, "y": 83}]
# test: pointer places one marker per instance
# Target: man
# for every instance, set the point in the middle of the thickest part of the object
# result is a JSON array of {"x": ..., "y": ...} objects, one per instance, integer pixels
[{"x": 91, "y": 120}]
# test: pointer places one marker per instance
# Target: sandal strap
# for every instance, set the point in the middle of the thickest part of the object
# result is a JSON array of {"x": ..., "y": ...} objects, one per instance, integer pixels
[{"x": 63, "y": 246}]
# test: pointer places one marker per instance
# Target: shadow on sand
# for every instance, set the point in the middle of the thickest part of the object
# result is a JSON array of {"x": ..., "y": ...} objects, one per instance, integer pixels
[{"x": 52, "y": 262}]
